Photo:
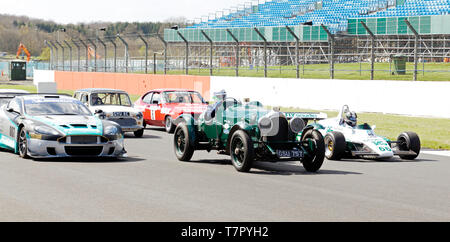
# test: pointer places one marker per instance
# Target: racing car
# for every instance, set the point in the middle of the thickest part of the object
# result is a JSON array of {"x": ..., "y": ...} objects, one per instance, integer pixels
[
  {"x": 162, "y": 106},
  {"x": 7, "y": 94},
  {"x": 115, "y": 106},
  {"x": 344, "y": 138},
  {"x": 248, "y": 132},
  {"x": 52, "y": 126}
]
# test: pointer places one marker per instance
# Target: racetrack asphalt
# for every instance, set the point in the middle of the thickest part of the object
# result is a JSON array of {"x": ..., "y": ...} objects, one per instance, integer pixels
[{"x": 152, "y": 185}]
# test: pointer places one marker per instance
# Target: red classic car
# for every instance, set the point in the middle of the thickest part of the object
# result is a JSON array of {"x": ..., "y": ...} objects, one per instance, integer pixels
[{"x": 162, "y": 106}]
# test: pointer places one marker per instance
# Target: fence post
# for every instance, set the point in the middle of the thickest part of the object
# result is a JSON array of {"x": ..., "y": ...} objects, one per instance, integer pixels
[
  {"x": 237, "y": 50},
  {"x": 187, "y": 52},
  {"x": 210, "y": 52},
  {"x": 372, "y": 50},
  {"x": 113, "y": 42},
  {"x": 87, "y": 54},
  {"x": 265, "y": 50},
  {"x": 95, "y": 54},
  {"x": 146, "y": 52},
  {"x": 297, "y": 56},
  {"x": 165, "y": 51},
  {"x": 106, "y": 52},
  {"x": 78, "y": 54},
  {"x": 126, "y": 52},
  {"x": 70, "y": 54},
  {"x": 56, "y": 48},
  {"x": 50, "y": 67},
  {"x": 63, "y": 60},
  {"x": 416, "y": 43},
  {"x": 331, "y": 43}
]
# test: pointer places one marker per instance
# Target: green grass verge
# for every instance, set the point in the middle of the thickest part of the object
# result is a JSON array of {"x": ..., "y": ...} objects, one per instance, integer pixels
[
  {"x": 349, "y": 71},
  {"x": 433, "y": 132}
]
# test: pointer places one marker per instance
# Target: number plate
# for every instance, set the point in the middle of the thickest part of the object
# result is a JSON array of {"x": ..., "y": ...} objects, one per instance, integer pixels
[
  {"x": 290, "y": 153},
  {"x": 121, "y": 114}
]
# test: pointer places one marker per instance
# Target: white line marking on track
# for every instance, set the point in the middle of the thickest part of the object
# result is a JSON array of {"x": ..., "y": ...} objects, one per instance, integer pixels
[{"x": 440, "y": 153}]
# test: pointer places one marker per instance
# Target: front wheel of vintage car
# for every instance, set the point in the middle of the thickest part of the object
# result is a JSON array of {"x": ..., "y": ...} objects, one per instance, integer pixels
[
  {"x": 409, "y": 141},
  {"x": 23, "y": 144},
  {"x": 139, "y": 133},
  {"x": 313, "y": 161},
  {"x": 241, "y": 151},
  {"x": 170, "y": 127},
  {"x": 335, "y": 145},
  {"x": 182, "y": 144}
]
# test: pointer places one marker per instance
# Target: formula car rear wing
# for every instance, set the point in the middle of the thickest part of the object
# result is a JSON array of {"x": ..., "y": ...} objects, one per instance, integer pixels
[{"x": 306, "y": 116}]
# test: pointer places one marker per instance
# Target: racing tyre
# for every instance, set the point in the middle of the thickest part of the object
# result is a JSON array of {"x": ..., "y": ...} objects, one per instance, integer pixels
[
  {"x": 170, "y": 127},
  {"x": 409, "y": 141},
  {"x": 184, "y": 150},
  {"x": 335, "y": 145},
  {"x": 241, "y": 151},
  {"x": 139, "y": 133},
  {"x": 316, "y": 153},
  {"x": 23, "y": 144}
]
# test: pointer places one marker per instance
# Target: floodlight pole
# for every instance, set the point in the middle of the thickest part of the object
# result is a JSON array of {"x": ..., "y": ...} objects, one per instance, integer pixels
[
  {"x": 372, "y": 50},
  {"x": 50, "y": 67},
  {"x": 237, "y": 50},
  {"x": 78, "y": 53},
  {"x": 416, "y": 43},
  {"x": 62, "y": 47},
  {"x": 95, "y": 54},
  {"x": 297, "y": 56},
  {"x": 113, "y": 42},
  {"x": 165, "y": 52},
  {"x": 146, "y": 52},
  {"x": 86, "y": 47},
  {"x": 70, "y": 54},
  {"x": 265, "y": 50},
  {"x": 331, "y": 43},
  {"x": 126, "y": 52},
  {"x": 187, "y": 52},
  {"x": 210, "y": 52}
]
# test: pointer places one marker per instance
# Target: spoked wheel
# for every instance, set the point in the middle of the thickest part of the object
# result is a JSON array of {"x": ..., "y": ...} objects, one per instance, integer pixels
[
  {"x": 313, "y": 161},
  {"x": 241, "y": 151},
  {"x": 170, "y": 127},
  {"x": 182, "y": 145},
  {"x": 23, "y": 144}
]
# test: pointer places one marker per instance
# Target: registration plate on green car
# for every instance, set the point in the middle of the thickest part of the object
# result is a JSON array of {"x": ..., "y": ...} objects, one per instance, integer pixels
[{"x": 290, "y": 153}]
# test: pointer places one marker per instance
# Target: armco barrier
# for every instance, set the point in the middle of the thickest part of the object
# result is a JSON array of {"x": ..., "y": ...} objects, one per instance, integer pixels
[
  {"x": 395, "y": 97},
  {"x": 136, "y": 84}
]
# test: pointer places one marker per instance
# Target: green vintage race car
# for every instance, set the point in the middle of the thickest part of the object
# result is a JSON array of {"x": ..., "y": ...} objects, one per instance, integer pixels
[{"x": 248, "y": 132}]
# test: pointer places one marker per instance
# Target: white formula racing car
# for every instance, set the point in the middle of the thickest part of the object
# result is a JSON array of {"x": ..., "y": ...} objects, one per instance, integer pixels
[{"x": 345, "y": 139}]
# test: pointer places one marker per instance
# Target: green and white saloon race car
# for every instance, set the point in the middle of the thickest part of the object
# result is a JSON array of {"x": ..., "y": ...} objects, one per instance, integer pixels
[
  {"x": 345, "y": 139},
  {"x": 52, "y": 126}
]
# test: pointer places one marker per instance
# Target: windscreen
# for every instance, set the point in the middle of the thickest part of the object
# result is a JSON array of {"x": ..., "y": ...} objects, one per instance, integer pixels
[
  {"x": 119, "y": 99},
  {"x": 183, "y": 97},
  {"x": 42, "y": 107}
]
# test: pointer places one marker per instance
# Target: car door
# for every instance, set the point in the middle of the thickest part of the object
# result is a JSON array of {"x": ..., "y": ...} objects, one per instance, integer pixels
[
  {"x": 144, "y": 106},
  {"x": 155, "y": 110},
  {"x": 10, "y": 116}
]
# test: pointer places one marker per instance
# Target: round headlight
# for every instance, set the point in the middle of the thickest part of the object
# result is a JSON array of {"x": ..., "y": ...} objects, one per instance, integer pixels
[
  {"x": 139, "y": 115},
  {"x": 297, "y": 125}
]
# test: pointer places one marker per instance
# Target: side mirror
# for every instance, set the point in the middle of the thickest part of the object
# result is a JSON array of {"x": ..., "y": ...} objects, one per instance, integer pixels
[
  {"x": 10, "y": 110},
  {"x": 155, "y": 102},
  {"x": 98, "y": 111},
  {"x": 207, "y": 102}
]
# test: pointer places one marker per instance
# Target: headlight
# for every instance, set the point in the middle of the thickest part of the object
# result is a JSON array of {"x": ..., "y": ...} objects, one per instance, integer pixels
[
  {"x": 45, "y": 130},
  {"x": 139, "y": 115},
  {"x": 297, "y": 125},
  {"x": 101, "y": 116},
  {"x": 111, "y": 130}
]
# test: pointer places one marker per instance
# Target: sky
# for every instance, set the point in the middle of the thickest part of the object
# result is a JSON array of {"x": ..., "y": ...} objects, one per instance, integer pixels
[{"x": 78, "y": 11}]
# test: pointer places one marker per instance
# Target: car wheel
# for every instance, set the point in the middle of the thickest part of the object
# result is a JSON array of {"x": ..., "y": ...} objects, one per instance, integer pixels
[
  {"x": 184, "y": 150},
  {"x": 241, "y": 151},
  {"x": 313, "y": 161},
  {"x": 409, "y": 141},
  {"x": 170, "y": 127},
  {"x": 139, "y": 133},
  {"x": 23, "y": 144},
  {"x": 335, "y": 145}
]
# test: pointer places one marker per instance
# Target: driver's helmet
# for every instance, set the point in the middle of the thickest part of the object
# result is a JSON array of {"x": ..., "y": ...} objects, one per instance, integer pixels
[
  {"x": 351, "y": 119},
  {"x": 220, "y": 96}
]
